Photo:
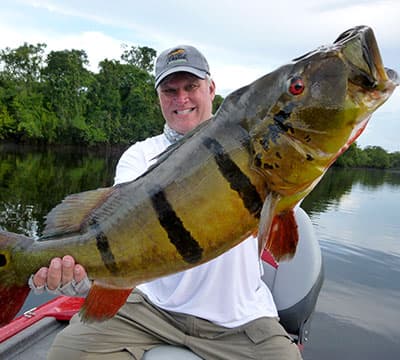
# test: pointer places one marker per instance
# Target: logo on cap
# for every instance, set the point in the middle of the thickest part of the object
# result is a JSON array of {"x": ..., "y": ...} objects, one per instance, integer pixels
[{"x": 177, "y": 56}]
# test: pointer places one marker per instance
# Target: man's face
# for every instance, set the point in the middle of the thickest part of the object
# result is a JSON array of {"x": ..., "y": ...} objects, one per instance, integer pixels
[{"x": 186, "y": 101}]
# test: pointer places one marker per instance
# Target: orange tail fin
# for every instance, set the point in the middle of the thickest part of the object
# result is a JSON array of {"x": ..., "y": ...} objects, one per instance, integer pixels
[
  {"x": 11, "y": 301},
  {"x": 103, "y": 302},
  {"x": 283, "y": 236}
]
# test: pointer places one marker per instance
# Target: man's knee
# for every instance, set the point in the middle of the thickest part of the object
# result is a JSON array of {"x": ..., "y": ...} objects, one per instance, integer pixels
[
  {"x": 283, "y": 348},
  {"x": 61, "y": 353}
]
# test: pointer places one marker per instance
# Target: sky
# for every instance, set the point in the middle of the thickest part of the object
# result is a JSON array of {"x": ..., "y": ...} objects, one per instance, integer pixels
[{"x": 242, "y": 41}]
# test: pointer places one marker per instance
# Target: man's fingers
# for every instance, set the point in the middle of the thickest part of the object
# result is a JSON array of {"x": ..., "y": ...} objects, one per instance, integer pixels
[
  {"x": 40, "y": 278},
  {"x": 59, "y": 273},
  {"x": 79, "y": 273},
  {"x": 67, "y": 274},
  {"x": 54, "y": 274}
]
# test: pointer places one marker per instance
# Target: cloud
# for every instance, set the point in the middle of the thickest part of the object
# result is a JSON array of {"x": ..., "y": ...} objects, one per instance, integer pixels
[{"x": 97, "y": 45}]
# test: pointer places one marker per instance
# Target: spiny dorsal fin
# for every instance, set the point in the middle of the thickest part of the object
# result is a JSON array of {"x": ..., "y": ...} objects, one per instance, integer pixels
[{"x": 73, "y": 212}]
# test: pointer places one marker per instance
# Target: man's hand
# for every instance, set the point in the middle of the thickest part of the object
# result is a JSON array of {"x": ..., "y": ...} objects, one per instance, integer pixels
[{"x": 63, "y": 277}]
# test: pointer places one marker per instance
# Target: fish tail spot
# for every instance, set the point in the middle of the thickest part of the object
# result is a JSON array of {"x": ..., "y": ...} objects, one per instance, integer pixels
[{"x": 11, "y": 300}]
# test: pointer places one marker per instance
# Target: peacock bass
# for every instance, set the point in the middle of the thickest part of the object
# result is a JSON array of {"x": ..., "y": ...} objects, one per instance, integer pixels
[{"x": 241, "y": 172}]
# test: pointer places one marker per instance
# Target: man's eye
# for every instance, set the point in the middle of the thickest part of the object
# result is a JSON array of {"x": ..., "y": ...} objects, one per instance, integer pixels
[
  {"x": 169, "y": 91},
  {"x": 191, "y": 87}
]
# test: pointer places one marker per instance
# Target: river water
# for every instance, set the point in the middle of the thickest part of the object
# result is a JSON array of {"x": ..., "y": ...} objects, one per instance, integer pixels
[{"x": 356, "y": 218}]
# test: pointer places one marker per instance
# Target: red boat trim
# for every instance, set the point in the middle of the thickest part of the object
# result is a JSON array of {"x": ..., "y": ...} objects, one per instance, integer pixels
[{"x": 61, "y": 308}]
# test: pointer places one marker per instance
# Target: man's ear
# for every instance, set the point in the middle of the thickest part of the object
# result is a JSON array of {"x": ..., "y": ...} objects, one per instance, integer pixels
[{"x": 212, "y": 88}]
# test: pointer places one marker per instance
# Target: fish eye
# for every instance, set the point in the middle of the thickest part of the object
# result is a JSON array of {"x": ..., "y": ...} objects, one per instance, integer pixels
[
  {"x": 296, "y": 86},
  {"x": 3, "y": 260}
]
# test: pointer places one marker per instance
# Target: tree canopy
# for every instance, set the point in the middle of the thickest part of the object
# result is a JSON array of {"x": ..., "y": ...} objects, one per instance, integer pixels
[
  {"x": 55, "y": 99},
  {"x": 370, "y": 157}
]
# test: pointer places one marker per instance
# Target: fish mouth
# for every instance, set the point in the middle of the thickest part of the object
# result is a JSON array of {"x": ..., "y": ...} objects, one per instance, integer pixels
[
  {"x": 360, "y": 49},
  {"x": 393, "y": 76}
]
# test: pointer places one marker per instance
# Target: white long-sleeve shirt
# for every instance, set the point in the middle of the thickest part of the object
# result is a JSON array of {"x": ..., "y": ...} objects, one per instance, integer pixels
[{"x": 228, "y": 290}]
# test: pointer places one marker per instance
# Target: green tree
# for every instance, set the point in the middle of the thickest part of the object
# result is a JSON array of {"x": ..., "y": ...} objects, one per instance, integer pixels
[
  {"x": 124, "y": 105},
  {"x": 140, "y": 114},
  {"x": 66, "y": 82},
  {"x": 140, "y": 56},
  {"x": 23, "y": 63},
  {"x": 8, "y": 123},
  {"x": 377, "y": 157},
  {"x": 104, "y": 113},
  {"x": 21, "y": 105},
  {"x": 218, "y": 100},
  {"x": 352, "y": 157},
  {"x": 395, "y": 160}
]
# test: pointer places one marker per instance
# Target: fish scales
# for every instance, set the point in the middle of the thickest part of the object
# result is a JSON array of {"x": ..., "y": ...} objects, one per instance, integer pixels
[
  {"x": 176, "y": 208},
  {"x": 240, "y": 173}
]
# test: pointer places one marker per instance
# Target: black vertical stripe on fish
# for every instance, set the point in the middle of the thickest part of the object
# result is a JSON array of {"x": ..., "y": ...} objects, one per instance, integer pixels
[
  {"x": 237, "y": 180},
  {"x": 104, "y": 249},
  {"x": 179, "y": 236}
]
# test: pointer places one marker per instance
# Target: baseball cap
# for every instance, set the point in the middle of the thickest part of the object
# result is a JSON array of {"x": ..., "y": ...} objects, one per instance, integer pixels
[{"x": 181, "y": 58}]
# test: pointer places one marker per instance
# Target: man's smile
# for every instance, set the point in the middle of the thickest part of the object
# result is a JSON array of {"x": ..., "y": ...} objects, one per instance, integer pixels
[{"x": 185, "y": 111}]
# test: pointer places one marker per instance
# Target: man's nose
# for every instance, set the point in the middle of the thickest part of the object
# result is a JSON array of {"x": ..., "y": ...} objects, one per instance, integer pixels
[{"x": 181, "y": 95}]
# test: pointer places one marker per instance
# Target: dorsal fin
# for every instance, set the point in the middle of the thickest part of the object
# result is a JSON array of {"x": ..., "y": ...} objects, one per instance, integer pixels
[{"x": 73, "y": 212}]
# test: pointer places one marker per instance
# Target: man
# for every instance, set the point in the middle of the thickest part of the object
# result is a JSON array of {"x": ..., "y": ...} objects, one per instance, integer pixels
[{"x": 221, "y": 309}]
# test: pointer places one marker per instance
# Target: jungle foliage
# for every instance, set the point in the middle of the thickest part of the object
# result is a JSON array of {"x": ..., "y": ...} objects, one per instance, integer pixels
[
  {"x": 55, "y": 99},
  {"x": 370, "y": 157}
]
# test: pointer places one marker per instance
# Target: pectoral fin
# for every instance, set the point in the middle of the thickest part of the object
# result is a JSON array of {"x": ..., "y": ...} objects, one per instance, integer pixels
[
  {"x": 266, "y": 216},
  {"x": 103, "y": 302},
  {"x": 283, "y": 236}
]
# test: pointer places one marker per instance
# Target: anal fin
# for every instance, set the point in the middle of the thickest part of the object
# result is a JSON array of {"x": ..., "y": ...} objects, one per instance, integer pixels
[{"x": 103, "y": 302}]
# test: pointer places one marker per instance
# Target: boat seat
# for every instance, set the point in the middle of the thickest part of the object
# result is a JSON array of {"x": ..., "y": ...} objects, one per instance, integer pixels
[{"x": 168, "y": 352}]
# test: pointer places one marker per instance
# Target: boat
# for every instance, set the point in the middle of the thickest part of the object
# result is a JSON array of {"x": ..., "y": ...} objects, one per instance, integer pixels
[{"x": 295, "y": 286}]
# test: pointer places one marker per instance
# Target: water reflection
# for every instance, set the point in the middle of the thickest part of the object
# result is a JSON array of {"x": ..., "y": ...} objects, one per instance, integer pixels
[
  {"x": 358, "y": 308},
  {"x": 364, "y": 215},
  {"x": 338, "y": 183},
  {"x": 32, "y": 182}
]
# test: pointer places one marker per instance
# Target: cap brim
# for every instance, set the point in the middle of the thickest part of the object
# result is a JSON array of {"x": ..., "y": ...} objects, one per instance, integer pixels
[{"x": 199, "y": 73}]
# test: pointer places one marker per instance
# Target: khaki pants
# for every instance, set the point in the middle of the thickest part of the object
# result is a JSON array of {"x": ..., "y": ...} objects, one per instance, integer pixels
[{"x": 139, "y": 326}]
